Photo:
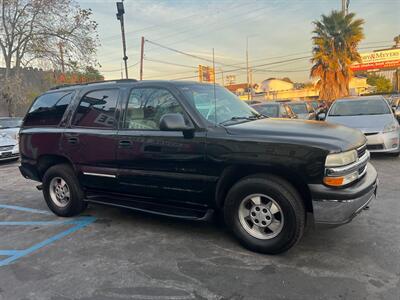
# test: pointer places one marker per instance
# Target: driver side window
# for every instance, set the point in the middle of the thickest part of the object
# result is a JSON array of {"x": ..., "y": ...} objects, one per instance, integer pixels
[{"x": 146, "y": 106}]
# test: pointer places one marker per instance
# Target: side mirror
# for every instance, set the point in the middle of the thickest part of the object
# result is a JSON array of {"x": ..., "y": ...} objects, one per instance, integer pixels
[
  {"x": 321, "y": 116},
  {"x": 175, "y": 122}
]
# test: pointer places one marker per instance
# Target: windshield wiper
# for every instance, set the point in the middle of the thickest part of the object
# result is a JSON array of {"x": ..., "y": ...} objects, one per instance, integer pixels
[{"x": 248, "y": 118}]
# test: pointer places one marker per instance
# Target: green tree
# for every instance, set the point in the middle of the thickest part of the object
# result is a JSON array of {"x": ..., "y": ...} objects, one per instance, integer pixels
[
  {"x": 382, "y": 84},
  {"x": 336, "y": 38}
]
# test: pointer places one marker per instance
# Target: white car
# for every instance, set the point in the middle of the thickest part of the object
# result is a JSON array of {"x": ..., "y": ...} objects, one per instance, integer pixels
[
  {"x": 373, "y": 116},
  {"x": 8, "y": 147}
]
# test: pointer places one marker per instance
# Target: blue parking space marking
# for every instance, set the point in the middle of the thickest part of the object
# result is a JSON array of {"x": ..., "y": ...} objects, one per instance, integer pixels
[
  {"x": 27, "y": 209},
  {"x": 15, "y": 254}
]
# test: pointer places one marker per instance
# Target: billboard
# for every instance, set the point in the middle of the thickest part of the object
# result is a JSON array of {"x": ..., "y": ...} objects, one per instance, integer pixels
[
  {"x": 385, "y": 59},
  {"x": 206, "y": 74}
]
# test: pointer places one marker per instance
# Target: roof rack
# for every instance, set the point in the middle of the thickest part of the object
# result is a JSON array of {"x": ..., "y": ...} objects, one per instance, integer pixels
[{"x": 93, "y": 82}]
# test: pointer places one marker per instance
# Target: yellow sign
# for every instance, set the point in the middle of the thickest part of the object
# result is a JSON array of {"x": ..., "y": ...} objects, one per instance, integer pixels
[
  {"x": 378, "y": 60},
  {"x": 206, "y": 74}
]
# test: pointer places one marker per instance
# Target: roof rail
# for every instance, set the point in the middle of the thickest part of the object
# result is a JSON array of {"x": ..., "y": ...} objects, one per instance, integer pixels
[{"x": 92, "y": 82}]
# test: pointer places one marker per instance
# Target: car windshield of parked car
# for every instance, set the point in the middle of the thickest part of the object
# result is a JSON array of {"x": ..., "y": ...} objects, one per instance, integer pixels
[
  {"x": 360, "y": 107},
  {"x": 299, "y": 108},
  {"x": 10, "y": 123},
  {"x": 269, "y": 110},
  {"x": 218, "y": 105}
]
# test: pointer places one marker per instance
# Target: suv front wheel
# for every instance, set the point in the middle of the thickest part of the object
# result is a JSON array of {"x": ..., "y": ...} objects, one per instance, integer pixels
[
  {"x": 62, "y": 192},
  {"x": 265, "y": 213}
]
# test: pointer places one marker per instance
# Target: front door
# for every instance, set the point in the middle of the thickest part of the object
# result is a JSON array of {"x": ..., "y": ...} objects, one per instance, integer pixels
[
  {"x": 91, "y": 139},
  {"x": 154, "y": 163}
]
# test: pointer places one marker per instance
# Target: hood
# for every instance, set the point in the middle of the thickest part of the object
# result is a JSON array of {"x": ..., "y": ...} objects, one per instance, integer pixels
[
  {"x": 12, "y": 132},
  {"x": 330, "y": 137},
  {"x": 6, "y": 140},
  {"x": 366, "y": 123}
]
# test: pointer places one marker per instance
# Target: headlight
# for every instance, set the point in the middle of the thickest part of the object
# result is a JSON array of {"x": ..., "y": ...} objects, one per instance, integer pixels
[
  {"x": 392, "y": 126},
  {"x": 341, "y": 159}
]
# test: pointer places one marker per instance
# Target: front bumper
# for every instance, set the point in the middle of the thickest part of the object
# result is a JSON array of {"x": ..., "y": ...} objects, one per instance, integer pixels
[
  {"x": 383, "y": 142},
  {"x": 339, "y": 206},
  {"x": 9, "y": 154}
]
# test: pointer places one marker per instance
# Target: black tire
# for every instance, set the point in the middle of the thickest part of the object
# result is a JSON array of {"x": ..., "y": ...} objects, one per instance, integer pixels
[
  {"x": 285, "y": 196},
  {"x": 75, "y": 204}
]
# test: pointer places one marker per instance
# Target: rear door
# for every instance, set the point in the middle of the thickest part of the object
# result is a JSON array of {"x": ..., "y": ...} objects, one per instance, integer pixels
[
  {"x": 90, "y": 141},
  {"x": 154, "y": 163}
]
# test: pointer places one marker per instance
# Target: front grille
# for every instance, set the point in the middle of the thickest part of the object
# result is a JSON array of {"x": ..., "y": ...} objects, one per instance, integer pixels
[
  {"x": 362, "y": 169},
  {"x": 6, "y": 148},
  {"x": 361, "y": 151},
  {"x": 376, "y": 147}
]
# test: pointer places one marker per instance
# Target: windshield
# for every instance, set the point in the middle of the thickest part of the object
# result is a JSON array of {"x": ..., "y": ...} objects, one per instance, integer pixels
[
  {"x": 226, "y": 104},
  {"x": 299, "y": 108},
  {"x": 359, "y": 107},
  {"x": 269, "y": 110},
  {"x": 10, "y": 123}
]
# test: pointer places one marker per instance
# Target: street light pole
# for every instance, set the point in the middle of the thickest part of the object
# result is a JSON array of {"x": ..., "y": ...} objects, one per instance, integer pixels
[
  {"x": 247, "y": 68},
  {"x": 120, "y": 17}
]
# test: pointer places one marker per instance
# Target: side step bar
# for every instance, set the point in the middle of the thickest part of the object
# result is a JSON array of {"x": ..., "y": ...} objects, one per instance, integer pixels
[{"x": 157, "y": 209}]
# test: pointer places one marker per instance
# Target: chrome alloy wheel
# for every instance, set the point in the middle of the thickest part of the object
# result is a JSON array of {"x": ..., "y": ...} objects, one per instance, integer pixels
[
  {"x": 59, "y": 192},
  {"x": 261, "y": 216}
]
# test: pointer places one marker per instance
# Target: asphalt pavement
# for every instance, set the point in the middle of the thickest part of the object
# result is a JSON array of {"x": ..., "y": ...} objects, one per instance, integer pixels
[{"x": 110, "y": 253}]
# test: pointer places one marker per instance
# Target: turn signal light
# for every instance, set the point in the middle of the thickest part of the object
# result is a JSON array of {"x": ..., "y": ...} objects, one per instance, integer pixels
[
  {"x": 341, "y": 180},
  {"x": 334, "y": 181}
]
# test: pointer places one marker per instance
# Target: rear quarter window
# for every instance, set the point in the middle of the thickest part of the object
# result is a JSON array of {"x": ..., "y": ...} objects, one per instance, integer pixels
[{"x": 48, "y": 109}]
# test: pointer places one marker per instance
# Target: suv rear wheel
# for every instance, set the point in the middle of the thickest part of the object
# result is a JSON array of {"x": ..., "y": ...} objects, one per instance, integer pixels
[
  {"x": 265, "y": 213},
  {"x": 62, "y": 192}
]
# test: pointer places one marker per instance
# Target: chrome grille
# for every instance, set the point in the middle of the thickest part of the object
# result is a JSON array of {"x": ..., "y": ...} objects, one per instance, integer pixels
[
  {"x": 6, "y": 148},
  {"x": 361, "y": 150}
]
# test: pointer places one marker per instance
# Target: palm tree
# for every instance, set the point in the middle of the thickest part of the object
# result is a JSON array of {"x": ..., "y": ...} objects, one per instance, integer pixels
[{"x": 335, "y": 40}]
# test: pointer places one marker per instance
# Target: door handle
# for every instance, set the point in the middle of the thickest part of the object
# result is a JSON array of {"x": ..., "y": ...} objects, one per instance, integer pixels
[
  {"x": 125, "y": 144},
  {"x": 73, "y": 140}
]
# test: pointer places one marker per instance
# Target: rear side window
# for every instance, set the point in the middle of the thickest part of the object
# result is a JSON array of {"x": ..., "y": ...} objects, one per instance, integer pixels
[
  {"x": 97, "y": 109},
  {"x": 48, "y": 109}
]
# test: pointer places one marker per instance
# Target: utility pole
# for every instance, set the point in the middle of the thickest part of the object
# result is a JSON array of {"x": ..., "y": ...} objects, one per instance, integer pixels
[
  {"x": 247, "y": 68},
  {"x": 141, "y": 58},
  {"x": 120, "y": 17},
  {"x": 222, "y": 77},
  {"x": 345, "y": 6}
]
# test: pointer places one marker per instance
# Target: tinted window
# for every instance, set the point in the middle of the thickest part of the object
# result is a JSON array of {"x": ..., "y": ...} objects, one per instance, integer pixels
[
  {"x": 48, "y": 109},
  {"x": 97, "y": 109},
  {"x": 271, "y": 111},
  {"x": 146, "y": 106},
  {"x": 299, "y": 108},
  {"x": 360, "y": 107}
]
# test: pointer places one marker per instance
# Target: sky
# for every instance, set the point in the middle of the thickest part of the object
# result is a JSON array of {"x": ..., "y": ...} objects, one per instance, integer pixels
[{"x": 278, "y": 34}]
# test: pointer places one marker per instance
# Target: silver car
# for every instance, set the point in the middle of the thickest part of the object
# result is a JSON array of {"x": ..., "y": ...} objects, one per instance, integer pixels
[
  {"x": 9, "y": 131},
  {"x": 373, "y": 116}
]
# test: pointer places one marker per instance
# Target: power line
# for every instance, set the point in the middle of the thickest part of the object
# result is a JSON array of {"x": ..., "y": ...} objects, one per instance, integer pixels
[
  {"x": 169, "y": 63},
  {"x": 117, "y": 70}
]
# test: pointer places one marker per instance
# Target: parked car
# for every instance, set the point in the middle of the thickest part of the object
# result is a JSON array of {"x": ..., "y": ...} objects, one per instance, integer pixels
[
  {"x": 10, "y": 126},
  {"x": 396, "y": 108},
  {"x": 373, "y": 116},
  {"x": 275, "y": 110},
  {"x": 303, "y": 110},
  {"x": 187, "y": 149},
  {"x": 8, "y": 147}
]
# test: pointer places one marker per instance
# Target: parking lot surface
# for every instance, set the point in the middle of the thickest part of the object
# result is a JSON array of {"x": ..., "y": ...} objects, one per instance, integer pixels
[{"x": 111, "y": 253}]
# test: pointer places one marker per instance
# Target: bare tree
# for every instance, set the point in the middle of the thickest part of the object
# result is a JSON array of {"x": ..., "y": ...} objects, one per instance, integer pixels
[{"x": 56, "y": 31}]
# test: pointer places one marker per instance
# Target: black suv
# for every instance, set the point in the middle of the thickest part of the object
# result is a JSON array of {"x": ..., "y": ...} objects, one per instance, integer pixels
[{"x": 186, "y": 149}]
